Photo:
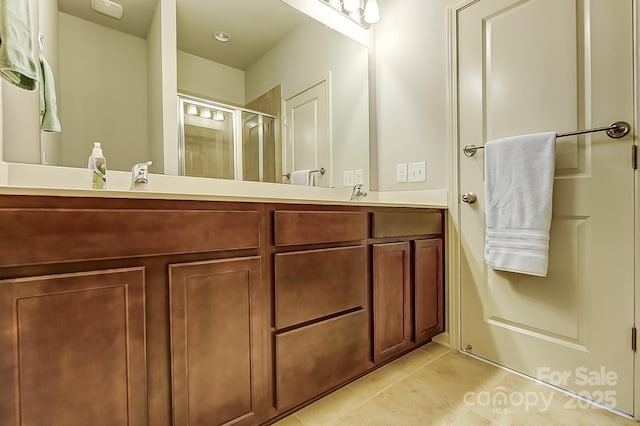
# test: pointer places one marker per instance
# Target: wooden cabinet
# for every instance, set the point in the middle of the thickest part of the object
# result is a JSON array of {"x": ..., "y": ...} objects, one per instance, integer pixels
[
  {"x": 408, "y": 288},
  {"x": 428, "y": 305},
  {"x": 391, "y": 299},
  {"x": 72, "y": 349},
  {"x": 186, "y": 313},
  {"x": 216, "y": 342}
]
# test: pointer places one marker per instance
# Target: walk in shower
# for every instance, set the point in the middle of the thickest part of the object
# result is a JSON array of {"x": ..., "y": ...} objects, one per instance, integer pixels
[{"x": 226, "y": 142}]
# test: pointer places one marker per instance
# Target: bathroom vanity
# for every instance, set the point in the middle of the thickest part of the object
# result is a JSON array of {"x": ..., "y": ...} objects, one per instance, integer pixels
[{"x": 117, "y": 311}]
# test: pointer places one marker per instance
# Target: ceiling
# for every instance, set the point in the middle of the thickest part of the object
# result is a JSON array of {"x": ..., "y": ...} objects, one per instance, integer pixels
[{"x": 255, "y": 26}]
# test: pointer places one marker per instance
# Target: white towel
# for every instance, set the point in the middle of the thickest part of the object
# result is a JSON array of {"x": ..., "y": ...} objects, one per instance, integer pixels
[
  {"x": 301, "y": 177},
  {"x": 519, "y": 173}
]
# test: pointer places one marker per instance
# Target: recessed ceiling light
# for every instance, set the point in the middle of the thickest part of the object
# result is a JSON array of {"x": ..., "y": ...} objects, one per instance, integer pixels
[{"x": 222, "y": 37}]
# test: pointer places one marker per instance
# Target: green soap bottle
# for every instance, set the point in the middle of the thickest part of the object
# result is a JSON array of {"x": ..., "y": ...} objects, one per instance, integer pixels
[{"x": 98, "y": 165}]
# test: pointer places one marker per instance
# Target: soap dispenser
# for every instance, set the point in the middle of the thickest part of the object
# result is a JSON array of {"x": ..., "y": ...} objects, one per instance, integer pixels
[{"x": 98, "y": 166}]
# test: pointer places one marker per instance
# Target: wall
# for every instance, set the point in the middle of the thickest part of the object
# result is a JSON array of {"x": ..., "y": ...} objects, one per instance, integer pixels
[
  {"x": 205, "y": 78},
  {"x": 154, "y": 92},
  {"x": 411, "y": 91},
  {"x": 169, "y": 64},
  {"x": 306, "y": 57},
  {"x": 103, "y": 93}
]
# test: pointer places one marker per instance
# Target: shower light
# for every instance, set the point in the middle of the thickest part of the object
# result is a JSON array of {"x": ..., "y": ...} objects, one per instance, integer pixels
[
  {"x": 192, "y": 109},
  {"x": 205, "y": 113}
]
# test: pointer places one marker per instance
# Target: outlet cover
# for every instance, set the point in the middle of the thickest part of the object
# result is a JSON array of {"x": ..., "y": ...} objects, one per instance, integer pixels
[
  {"x": 401, "y": 172},
  {"x": 359, "y": 177},
  {"x": 348, "y": 178},
  {"x": 418, "y": 172}
]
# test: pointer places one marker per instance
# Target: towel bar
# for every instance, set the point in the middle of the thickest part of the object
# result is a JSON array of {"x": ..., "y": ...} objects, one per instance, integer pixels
[
  {"x": 322, "y": 171},
  {"x": 615, "y": 130}
]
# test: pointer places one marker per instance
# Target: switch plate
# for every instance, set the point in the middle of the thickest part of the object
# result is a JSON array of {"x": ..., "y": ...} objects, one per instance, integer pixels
[
  {"x": 418, "y": 172},
  {"x": 359, "y": 177},
  {"x": 348, "y": 178},
  {"x": 401, "y": 172}
]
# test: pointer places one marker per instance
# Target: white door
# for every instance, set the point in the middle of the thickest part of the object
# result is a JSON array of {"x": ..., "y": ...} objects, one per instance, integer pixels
[
  {"x": 529, "y": 66},
  {"x": 307, "y": 141}
]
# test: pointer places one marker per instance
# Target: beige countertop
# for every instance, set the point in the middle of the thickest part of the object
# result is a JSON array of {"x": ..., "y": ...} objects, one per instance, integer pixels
[{"x": 26, "y": 179}]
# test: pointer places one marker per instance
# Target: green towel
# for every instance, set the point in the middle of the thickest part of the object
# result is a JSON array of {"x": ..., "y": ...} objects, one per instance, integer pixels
[
  {"x": 17, "y": 64},
  {"x": 49, "y": 121}
]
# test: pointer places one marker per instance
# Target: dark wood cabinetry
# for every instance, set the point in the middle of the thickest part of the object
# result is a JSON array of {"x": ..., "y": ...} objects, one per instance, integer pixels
[
  {"x": 186, "y": 313},
  {"x": 216, "y": 342},
  {"x": 391, "y": 299},
  {"x": 72, "y": 349}
]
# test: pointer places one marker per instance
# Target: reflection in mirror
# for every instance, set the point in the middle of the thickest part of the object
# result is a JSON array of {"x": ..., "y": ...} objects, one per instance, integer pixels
[
  {"x": 225, "y": 142},
  {"x": 278, "y": 61},
  {"x": 112, "y": 87},
  {"x": 104, "y": 67}
]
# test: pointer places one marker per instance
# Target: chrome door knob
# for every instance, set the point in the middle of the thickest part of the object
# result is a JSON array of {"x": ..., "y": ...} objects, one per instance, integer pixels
[{"x": 469, "y": 197}]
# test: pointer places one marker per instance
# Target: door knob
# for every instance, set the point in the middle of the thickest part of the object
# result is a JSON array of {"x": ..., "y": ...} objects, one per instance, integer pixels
[{"x": 469, "y": 197}]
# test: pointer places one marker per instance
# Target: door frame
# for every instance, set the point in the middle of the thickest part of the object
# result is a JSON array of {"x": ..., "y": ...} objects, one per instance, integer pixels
[{"x": 453, "y": 291}]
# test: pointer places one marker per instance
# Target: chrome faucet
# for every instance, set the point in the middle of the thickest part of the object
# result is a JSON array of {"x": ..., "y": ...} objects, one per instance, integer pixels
[
  {"x": 357, "y": 194},
  {"x": 140, "y": 174}
]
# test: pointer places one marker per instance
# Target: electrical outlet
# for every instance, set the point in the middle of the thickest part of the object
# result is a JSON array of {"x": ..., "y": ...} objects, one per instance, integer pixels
[
  {"x": 348, "y": 178},
  {"x": 359, "y": 177},
  {"x": 418, "y": 172},
  {"x": 401, "y": 172}
]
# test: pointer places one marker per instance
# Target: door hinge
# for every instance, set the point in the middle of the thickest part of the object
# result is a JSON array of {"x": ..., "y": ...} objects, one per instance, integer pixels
[
  {"x": 634, "y": 340},
  {"x": 634, "y": 156}
]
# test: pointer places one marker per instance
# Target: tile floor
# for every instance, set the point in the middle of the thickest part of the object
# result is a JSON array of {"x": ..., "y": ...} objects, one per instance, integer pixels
[{"x": 428, "y": 387}]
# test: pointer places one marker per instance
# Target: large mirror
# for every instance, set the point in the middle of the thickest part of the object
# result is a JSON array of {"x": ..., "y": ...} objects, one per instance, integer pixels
[{"x": 279, "y": 72}]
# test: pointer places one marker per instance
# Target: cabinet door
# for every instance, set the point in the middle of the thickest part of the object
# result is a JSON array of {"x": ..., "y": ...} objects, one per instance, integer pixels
[
  {"x": 391, "y": 299},
  {"x": 72, "y": 349},
  {"x": 216, "y": 337},
  {"x": 428, "y": 289}
]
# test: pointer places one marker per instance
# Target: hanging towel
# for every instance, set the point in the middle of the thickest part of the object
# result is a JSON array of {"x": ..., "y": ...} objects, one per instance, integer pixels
[
  {"x": 17, "y": 64},
  {"x": 519, "y": 174},
  {"x": 301, "y": 177},
  {"x": 49, "y": 121}
]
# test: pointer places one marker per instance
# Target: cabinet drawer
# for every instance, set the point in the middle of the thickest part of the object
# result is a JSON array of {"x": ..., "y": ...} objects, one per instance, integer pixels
[
  {"x": 313, "y": 227},
  {"x": 29, "y": 236},
  {"x": 312, "y": 359},
  {"x": 316, "y": 283},
  {"x": 404, "y": 224}
]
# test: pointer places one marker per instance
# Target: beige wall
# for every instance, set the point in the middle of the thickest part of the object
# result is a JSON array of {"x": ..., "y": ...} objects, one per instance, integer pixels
[
  {"x": 169, "y": 64},
  {"x": 103, "y": 93},
  {"x": 411, "y": 90},
  {"x": 306, "y": 57},
  {"x": 154, "y": 92},
  {"x": 199, "y": 76}
]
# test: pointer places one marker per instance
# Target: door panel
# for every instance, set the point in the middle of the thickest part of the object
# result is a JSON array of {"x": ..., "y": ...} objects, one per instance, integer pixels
[
  {"x": 548, "y": 65},
  {"x": 307, "y": 133}
]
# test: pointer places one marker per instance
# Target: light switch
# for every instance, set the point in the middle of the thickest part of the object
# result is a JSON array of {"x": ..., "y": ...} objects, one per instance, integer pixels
[
  {"x": 348, "y": 178},
  {"x": 401, "y": 172},
  {"x": 418, "y": 172}
]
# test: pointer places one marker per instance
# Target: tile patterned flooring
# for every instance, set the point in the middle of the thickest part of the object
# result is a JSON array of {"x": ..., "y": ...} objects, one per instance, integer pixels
[{"x": 428, "y": 387}]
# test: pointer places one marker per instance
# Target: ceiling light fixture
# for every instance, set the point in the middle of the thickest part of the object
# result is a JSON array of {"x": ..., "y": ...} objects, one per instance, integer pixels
[
  {"x": 107, "y": 7},
  {"x": 371, "y": 12},
  {"x": 222, "y": 37},
  {"x": 362, "y": 12}
]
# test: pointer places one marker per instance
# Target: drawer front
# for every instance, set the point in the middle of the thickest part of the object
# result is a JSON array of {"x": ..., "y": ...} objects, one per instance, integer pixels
[
  {"x": 314, "y": 227},
  {"x": 315, "y": 358},
  {"x": 32, "y": 236},
  {"x": 312, "y": 284},
  {"x": 404, "y": 224}
]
